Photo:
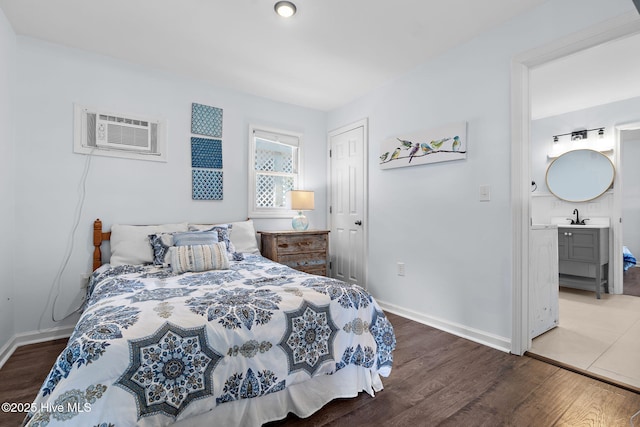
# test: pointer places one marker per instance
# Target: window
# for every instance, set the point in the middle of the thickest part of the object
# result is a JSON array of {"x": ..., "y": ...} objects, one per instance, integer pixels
[{"x": 274, "y": 170}]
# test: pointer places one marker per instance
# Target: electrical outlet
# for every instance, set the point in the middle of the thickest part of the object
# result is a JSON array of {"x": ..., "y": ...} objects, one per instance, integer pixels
[
  {"x": 84, "y": 280},
  {"x": 401, "y": 269}
]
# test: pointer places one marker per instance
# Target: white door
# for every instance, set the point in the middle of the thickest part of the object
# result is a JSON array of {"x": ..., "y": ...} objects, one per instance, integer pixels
[
  {"x": 626, "y": 186},
  {"x": 348, "y": 203},
  {"x": 543, "y": 280}
]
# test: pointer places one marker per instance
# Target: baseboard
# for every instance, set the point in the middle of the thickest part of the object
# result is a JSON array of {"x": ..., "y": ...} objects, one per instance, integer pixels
[
  {"x": 31, "y": 338},
  {"x": 481, "y": 337}
]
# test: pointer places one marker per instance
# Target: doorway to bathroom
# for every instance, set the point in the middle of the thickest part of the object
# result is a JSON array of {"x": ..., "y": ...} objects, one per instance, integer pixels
[
  {"x": 597, "y": 336},
  {"x": 612, "y": 321},
  {"x": 629, "y": 149}
]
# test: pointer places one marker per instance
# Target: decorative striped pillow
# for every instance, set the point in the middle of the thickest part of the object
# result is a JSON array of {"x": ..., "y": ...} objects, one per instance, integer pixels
[{"x": 198, "y": 258}]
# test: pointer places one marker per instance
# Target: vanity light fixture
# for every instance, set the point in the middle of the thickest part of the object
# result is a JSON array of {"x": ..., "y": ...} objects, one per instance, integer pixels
[
  {"x": 579, "y": 141},
  {"x": 286, "y": 9},
  {"x": 578, "y": 135}
]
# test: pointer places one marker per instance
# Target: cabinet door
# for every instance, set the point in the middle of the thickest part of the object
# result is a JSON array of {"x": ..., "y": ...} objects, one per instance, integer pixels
[
  {"x": 583, "y": 245},
  {"x": 563, "y": 244}
]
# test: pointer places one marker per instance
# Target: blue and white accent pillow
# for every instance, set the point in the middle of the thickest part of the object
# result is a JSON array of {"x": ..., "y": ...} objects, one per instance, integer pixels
[
  {"x": 224, "y": 235},
  {"x": 190, "y": 238},
  {"x": 160, "y": 243},
  {"x": 196, "y": 258}
]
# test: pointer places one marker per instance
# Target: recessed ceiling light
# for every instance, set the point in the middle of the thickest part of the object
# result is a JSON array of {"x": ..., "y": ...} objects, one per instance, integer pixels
[{"x": 286, "y": 9}]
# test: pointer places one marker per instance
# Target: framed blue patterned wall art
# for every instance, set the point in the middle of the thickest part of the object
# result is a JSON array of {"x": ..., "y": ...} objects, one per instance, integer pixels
[
  {"x": 206, "y": 120},
  {"x": 440, "y": 144},
  {"x": 206, "y": 153},
  {"x": 207, "y": 184}
]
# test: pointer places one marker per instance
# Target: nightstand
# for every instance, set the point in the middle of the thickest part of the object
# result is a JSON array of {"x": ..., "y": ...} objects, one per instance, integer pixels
[{"x": 303, "y": 250}]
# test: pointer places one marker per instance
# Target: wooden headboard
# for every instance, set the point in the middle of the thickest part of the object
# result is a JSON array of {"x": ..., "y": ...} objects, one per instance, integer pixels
[{"x": 98, "y": 237}]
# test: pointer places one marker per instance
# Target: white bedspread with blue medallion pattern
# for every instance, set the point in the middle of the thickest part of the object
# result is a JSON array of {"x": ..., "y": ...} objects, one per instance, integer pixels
[{"x": 152, "y": 347}]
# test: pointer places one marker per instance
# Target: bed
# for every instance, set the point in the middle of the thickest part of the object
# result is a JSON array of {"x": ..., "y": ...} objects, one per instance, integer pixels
[{"x": 209, "y": 334}]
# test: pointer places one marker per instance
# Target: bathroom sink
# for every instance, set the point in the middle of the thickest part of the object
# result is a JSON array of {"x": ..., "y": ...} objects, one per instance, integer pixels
[
  {"x": 589, "y": 223},
  {"x": 584, "y": 225}
]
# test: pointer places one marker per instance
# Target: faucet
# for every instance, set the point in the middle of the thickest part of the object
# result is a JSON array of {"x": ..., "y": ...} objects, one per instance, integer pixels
[{"x": 577, "y": 221}]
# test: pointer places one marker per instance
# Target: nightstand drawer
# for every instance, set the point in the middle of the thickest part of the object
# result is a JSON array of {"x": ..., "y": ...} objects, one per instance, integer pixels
[
  {"x": 303, "y": 250},
  {"x": 293, "y": 244},
  {"x": 314, "y": 270},
  {"x": 315, "y": 259}
]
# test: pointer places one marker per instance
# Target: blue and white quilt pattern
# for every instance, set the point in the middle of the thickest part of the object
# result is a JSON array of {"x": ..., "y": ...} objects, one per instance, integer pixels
[{"x": 161, "y": 347}]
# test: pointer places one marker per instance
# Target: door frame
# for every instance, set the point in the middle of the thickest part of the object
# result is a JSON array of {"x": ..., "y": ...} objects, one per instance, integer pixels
[
  {"x": 618, "y": 225},
  {"x": 619, "y": 27},
  {"x": 364, "y": 123}
]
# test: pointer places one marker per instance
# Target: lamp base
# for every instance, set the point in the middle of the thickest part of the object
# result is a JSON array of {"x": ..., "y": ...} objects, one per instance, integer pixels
[{"x": 300, "y": 222}]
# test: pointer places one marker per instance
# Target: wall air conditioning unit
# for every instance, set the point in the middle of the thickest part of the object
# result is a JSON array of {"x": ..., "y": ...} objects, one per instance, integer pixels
[{"x": 103, "y": 133}]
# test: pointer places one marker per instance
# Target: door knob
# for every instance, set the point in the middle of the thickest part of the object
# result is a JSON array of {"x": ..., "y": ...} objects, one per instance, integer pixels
[{"x": 358, "y": 222}]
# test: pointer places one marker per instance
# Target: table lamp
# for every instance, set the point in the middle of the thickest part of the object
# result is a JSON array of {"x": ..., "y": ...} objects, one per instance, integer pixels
[{"x": 301, "y": 201}]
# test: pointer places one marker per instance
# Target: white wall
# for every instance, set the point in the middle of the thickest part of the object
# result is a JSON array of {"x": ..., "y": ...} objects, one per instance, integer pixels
[
  {"x": 50, "y": 79},
  {"x": 7, "y": 160},
  {"x": 630, "y": 143},
  {"x": 457, "y": 249}
]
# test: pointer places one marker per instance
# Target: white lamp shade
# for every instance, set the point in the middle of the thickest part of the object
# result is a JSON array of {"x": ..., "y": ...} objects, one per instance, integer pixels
[{"x": 302, "y": 200}]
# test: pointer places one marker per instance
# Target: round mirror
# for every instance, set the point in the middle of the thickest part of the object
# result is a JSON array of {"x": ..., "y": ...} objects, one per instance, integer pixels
[{"x": 580, "y": 175}]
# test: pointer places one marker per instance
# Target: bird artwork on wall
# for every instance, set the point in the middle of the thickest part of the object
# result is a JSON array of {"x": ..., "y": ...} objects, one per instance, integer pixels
[{"x": 443, "y": 144}]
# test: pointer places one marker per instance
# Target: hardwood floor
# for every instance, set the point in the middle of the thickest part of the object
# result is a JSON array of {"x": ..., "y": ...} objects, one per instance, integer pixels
[
  {"x": 631, "y": 279},
  {"x": 23, "y": 374},
  {"x": 437, "y": 379}
]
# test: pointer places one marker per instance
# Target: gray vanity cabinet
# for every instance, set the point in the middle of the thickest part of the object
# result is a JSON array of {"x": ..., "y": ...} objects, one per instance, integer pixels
[{"x": 584, "y": 258}]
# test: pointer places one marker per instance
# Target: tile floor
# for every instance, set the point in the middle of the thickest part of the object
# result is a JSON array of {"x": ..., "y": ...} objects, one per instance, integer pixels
[{"x": 599, "y": 336}]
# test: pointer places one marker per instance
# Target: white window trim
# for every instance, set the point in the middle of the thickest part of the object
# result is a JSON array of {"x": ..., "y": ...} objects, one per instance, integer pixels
[{"x": 254, "y": 211}]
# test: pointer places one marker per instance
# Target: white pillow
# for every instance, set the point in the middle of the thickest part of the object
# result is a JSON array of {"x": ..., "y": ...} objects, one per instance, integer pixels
[
  {"x": 130, "y": 243},
  {"x": 242, "y": 235}
]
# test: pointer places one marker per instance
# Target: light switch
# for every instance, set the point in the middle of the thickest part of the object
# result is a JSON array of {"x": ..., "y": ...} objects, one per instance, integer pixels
[
  {"x": 401, "y": 269},
  {"x": 485, "y": 193}
]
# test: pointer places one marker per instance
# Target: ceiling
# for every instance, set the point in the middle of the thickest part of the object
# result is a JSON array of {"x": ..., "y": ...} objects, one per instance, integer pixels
[
  {"x": 600, "y": 75},
  {"x": 330, "y": 53}
]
